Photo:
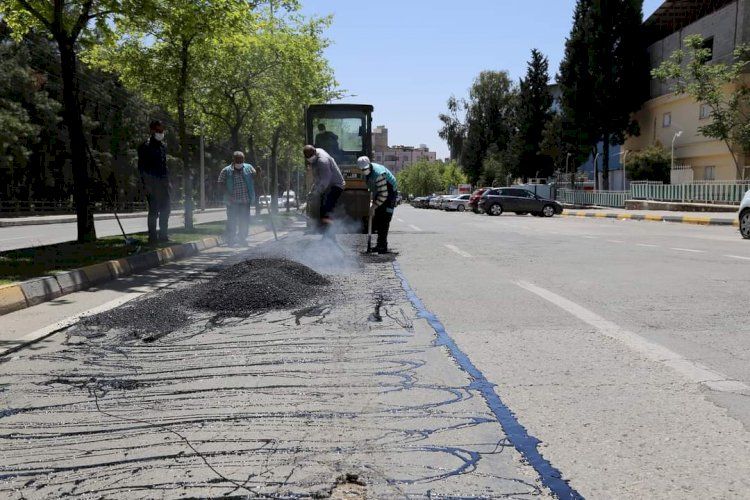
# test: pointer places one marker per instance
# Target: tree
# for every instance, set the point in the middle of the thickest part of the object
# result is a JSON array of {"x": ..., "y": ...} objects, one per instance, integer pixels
[
  {"x": 453, "y": 176},
  {"x": 604, "y": 75},
  {"x": 453, "y": 131},
  {"x": 72, "y": 24},
  {"x": 532, "y": 114},
  {"x": 488, "y": 119},
  {"x": 159, "y": 55},
  {"x": 421, "y": 178},
  {"x": 495, "y": 169},
  {"x": 717, "y": 85},
  {"x": 651, "y": 164}
]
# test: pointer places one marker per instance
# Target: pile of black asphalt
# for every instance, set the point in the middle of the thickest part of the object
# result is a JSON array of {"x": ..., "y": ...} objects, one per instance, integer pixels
[
  {"x": 240, "y": 290},
  {"x": 259, "y": 285}
]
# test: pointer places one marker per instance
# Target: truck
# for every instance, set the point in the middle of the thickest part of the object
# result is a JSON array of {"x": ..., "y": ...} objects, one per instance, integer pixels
[{"x": 344, "y": 131}]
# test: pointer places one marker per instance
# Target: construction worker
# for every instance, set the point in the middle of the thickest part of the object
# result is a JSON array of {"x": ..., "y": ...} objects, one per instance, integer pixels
[
  {"x": 152, "y": 167},
  {"x": 328, "y": 183},
  {"x": 384, "y": 190}
]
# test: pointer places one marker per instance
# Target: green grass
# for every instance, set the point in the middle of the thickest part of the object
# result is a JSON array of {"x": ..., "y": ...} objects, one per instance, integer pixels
[{"x": 26, "y": 263}]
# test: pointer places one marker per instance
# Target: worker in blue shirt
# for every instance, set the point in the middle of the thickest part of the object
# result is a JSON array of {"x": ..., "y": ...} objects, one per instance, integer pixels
[{"x": 384, "y": 190}]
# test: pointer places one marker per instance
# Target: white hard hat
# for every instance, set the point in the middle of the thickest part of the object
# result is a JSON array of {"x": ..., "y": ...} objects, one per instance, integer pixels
[{"x": 363, "y": 163}]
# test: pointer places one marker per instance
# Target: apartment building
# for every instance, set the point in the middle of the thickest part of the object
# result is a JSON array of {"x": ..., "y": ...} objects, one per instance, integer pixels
[
  {"x": 396, "y": 158},
  {"x": 674, "y": 119}
]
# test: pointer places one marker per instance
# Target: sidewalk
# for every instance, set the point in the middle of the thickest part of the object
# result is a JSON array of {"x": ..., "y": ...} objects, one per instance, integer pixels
[
  {"x": 35, "y": 220},
  {"x": 716, "y": 219},
  {"x": 17, "y": 296}
]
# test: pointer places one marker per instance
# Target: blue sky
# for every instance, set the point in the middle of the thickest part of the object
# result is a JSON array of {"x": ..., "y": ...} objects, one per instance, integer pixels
[{"x": 408, "y": 57}]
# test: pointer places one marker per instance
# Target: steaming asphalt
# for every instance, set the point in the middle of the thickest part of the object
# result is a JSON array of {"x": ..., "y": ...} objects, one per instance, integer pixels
[{"x": 621, "y": 346}]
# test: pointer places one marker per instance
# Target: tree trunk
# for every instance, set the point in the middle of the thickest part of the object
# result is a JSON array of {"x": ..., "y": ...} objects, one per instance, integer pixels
[
  {"x": 79, "y": 159},
  {"x": 234, "y": 134},
  {"x": 274, "y": 172},
  {"x": 595, "y": 150},
  {"x": 182, "y": 125},
  {"x": 605, "y": 162}
]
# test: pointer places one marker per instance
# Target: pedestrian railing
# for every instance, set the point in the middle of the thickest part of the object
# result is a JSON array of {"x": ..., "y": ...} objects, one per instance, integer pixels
[
  {"x": 615, "y": 199},
  {"x": 694, "y": 192}
]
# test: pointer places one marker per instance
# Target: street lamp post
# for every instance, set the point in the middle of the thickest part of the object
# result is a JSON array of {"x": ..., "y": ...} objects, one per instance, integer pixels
[
  {"x": 567, "y": 170},
  {"x": 624, "y": 157},
  {"x": 203, "y": 172},
  {"x": 676, "y": 135},
  {"x": 596, "y": 171}
]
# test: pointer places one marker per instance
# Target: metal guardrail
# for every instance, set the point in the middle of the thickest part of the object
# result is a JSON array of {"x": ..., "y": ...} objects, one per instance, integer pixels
[{"x": 615, "y": 199}]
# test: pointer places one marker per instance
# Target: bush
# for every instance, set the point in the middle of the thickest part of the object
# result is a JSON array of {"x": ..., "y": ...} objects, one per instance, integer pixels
[{"x": 651, "y": 164}]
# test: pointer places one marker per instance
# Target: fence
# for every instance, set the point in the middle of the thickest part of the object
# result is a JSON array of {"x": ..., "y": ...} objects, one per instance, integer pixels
[
  {"x": 696, "y": 192},
  {"x": 614, "y": 199},
  {"x": 22, "y": 208}
]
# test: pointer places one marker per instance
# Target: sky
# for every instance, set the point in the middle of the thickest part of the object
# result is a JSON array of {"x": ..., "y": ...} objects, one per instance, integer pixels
[{"x": 407, "y": 57}]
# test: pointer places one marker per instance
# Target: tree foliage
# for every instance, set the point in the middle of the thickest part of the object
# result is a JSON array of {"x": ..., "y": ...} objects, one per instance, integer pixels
[
  {"x": 532, "y": 114},
  {"x": 421, "y": 178},
  {"x": 719, "y": 86},
  {"x": 453, "y": 131}
]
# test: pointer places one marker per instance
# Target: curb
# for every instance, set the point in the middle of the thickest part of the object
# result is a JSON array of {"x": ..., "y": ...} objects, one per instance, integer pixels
[
  {"x": 683, "y": 219},
  {"x": 22, "y": 295},
  {"x": 97, "y": 217}
]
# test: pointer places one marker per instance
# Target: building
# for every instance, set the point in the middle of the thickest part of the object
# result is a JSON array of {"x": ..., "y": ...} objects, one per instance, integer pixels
[
  {"x": 396, "y": 158},
  {"x": 669, "y": 119}
]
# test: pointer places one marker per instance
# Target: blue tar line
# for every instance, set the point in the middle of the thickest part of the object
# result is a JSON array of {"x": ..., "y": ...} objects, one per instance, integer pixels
[{"x": 517, "y": 434}]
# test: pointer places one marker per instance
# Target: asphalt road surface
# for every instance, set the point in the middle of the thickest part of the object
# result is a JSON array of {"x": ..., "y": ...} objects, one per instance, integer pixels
[
  {"x": 13, "y": 237},
  {"x": 494, "y": 355}
]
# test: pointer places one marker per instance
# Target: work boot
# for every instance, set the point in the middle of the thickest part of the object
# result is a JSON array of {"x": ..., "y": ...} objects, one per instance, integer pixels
[{"x": 380, "y": 250}]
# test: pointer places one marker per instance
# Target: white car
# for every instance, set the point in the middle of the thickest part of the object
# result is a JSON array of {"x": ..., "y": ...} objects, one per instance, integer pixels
[
  {"x": 288, "y": 197},
  {"x": 458, "y": 203},
  {"x": 744, "y": 216}
]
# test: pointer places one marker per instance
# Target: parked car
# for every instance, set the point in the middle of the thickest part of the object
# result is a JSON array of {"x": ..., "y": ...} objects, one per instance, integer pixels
[
  {"x": 744, "y": 216},
  {"x": 495, "y": 201},
  {"x": 458, "y": 203},
  {"x": 435, "y": 202},
  {"x": 288, "y": 198},
  {"x": 264, "y": 201},
  {"x": 474, "y": 199}
]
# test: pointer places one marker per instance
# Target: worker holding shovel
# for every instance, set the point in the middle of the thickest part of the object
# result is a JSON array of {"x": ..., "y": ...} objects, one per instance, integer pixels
[{"x": 384, "y": 190}]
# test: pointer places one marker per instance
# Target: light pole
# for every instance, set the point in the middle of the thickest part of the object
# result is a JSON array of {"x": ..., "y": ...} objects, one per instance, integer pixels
[
  {"x": 596, "y": 171},
  {"x": 624, "y": 154},
  {"x": 676, "y": 135},
  {"x": 567, "y": 170},
  {"x": 203, "y": 172}
]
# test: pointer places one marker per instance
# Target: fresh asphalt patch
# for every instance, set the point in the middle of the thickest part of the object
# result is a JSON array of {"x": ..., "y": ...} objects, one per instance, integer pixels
[{"x": 319, "y": 380}]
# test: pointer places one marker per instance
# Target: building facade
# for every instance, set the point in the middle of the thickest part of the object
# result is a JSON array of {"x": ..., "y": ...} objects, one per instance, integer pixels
[
  {"x": 670, "y": 119},
  {"x": 396, "y": 158}
]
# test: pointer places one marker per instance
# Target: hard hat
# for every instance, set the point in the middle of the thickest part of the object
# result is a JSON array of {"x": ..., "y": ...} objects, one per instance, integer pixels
[{"x": 363, "y": 163}]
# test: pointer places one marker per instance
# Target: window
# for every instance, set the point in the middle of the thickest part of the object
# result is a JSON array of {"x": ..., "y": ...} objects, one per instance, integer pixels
[
  {"x": 666, "y": 120},
  {"x": 705, "y": 111},
  {"x": 709, "y": 173}
]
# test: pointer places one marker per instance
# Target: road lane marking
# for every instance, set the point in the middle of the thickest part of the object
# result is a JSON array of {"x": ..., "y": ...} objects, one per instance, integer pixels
[
  {"x": 647, "y": 245},
  {"x": 414, "y": 227},
  {"x": 399, "y": 219},
  {"x": 458, "y": 250},
  {"x": 687, "y": 250},
  {"x": 591, "y": 237},
  {"x": 615, "y": 241},
  {"x": 737, "y": 257},
  {"x": 693, "y": 371}
]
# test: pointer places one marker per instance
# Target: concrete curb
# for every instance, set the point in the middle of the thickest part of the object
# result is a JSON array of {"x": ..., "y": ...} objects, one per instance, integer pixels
[
  {"x": 41, "y": 219},
  {"x": 683, "y": 219},
  {"x": 29, "y": 293}
]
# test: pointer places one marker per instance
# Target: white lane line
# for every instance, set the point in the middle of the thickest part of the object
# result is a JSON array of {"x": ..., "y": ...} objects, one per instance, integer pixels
[
  {"x": 647, "y": 245},
  {"x": 615, "y": 241},
  {"x": 457, "y": 250},
  {"x": 591, "y": 237},
  {"x": 687, "y": 250},
  {"x": 399, "y": 219},
  {"x": 692, "y": 370},
  {"x": 737, "y": 257},
  {"x": 414, "y": 227}
]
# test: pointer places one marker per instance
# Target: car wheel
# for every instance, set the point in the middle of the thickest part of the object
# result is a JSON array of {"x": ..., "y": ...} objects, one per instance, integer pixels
[
  {"x": 548, "y": 211},
  {"x": 460, "y": 208},
  {"x": 495, "y": 209},
  {"x": 745, "y": 223}
]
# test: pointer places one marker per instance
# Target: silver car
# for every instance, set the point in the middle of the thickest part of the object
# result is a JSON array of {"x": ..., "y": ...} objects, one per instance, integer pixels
[
  {"x": 458, "y": 203},
  {"x": 744, "y": 216}
]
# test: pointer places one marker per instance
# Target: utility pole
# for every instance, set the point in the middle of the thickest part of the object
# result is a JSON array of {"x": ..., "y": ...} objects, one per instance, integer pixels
[{"x": 203, "y": 172}]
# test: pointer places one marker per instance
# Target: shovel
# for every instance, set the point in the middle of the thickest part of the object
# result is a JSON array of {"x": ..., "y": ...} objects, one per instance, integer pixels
[{"x": 369, "y": 233}]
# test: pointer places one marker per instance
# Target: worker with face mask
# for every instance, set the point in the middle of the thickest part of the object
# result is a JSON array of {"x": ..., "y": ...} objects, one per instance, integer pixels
[
  {"x": 384, "y": 191},
  {"x": 328, "y": 183},
  {"x": 237, "y": 180},
  {"x": 152, "y": 167}
]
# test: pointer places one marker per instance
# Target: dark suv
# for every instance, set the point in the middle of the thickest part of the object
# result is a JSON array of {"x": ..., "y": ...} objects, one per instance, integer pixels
[
  {"x": 498, "y": 200},
  {"x": 474, "y": 199}
]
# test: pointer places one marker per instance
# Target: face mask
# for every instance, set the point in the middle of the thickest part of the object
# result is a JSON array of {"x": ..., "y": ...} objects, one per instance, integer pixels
[
  {"x": 238, "y": 165},
  {"x": 159, "y": 136},
  {"x": 312, "y": 159}
]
